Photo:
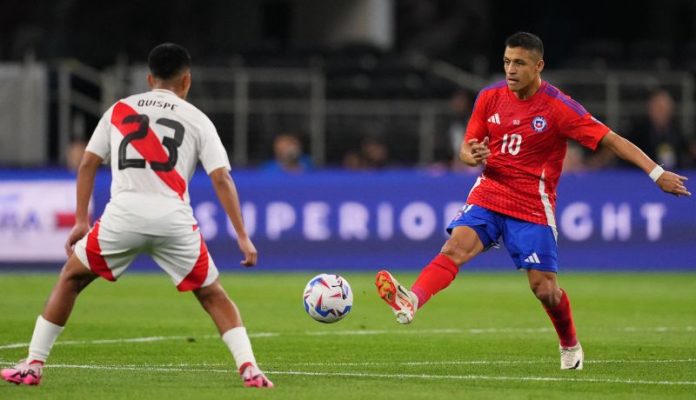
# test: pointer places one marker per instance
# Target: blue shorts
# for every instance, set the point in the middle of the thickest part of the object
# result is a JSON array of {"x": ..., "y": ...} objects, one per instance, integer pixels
[{"x": 531, "y": 246}]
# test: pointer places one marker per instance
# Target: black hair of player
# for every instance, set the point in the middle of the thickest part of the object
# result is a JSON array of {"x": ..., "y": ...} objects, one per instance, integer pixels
[
  {"x": 168, "y": 60},
  {"x": 525, "y": 40}
]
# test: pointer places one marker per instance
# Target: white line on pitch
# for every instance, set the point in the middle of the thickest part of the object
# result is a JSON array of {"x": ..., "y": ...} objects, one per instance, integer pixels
[
  {"x": 484, "y": 377},
  {"x": 474, "y": 331},
  {"x": 146, "y": 339},
  {"x": 201, "y": 368},
  {"x": 381, "y": 375},
  {"x": 659, "y": 329},
  {"x": 274, "y": 334},
  {"x": 427, "y": 331},
  {"x": 368, "y": 332},
  {"x": 476, "y": 362},
  {"x": 378, "y": 364}
]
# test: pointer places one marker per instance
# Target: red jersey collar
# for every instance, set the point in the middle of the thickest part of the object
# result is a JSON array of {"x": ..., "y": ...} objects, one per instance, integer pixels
[{"x": 535, "y": 96}]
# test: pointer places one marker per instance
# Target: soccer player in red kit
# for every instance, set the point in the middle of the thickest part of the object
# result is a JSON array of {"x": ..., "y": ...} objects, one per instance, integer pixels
[{"x": 518, "y": 133}]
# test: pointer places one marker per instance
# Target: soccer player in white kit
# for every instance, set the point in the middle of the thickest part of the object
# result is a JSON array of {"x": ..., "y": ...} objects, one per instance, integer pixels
[{"x": 154, "y": 141}]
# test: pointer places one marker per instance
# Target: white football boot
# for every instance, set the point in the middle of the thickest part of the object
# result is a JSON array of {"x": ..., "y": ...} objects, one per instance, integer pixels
[{"x": 572, "y": 357}]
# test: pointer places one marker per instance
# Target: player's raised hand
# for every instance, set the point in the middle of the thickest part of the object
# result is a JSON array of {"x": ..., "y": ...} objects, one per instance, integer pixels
[
  {"x": 78, "y": 232},
  {"x": 672, "y": 183},
  {"x": 249, "y": 251},
  {"x": 479, "y": 150}
]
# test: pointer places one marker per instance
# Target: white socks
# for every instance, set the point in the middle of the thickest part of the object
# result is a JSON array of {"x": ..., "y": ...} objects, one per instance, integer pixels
[
  {"x": 238, "y": 342},
  {"x": 45, "y": 334}
]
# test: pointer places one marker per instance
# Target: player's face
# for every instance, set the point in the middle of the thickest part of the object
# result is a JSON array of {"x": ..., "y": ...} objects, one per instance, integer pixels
[{"x": 522, "y": 68}]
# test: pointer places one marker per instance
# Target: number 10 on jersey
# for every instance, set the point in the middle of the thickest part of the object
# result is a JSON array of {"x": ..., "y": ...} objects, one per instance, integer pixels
[{"x": 511, "y": 143}]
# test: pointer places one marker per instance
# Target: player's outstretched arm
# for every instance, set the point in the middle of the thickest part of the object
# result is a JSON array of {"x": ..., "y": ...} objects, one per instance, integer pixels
[
  {"x": 85, "y": 184},
  {"x": 668, "y": 181},
  {"x": 474, "y": 153},
  {"x": 226, "y": 192}
]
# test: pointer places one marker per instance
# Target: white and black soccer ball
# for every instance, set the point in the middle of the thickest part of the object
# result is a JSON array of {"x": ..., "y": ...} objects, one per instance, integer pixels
[{"x": 328, "y": 298}]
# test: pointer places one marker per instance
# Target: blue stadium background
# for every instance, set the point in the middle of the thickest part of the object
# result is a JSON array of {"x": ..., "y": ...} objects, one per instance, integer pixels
[{"x": 339, "y": 77}]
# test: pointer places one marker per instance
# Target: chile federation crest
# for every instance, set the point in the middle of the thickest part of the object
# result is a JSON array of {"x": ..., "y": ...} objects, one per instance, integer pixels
[{"x": 539, "y": 124}]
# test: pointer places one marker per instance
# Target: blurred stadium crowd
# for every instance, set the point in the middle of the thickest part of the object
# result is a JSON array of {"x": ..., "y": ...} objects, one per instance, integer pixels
[{"x": 366, "y": 84}]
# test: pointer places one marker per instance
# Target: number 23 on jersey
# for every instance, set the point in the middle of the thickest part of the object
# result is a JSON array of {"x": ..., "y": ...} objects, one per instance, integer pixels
[{"x": 145, "y": 142}]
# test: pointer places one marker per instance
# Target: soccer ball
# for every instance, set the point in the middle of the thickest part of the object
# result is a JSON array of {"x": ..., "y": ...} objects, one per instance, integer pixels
[{"x": 328, "y": 298}]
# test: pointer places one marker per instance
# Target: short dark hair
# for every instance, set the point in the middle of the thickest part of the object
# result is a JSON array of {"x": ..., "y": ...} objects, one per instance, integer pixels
[
  {"x": 525, "y": 40},
  {"x": 168, "y": 60}
]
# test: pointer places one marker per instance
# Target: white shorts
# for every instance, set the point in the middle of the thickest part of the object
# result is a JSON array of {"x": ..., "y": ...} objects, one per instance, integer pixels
[{"x": 184, "y": 257}]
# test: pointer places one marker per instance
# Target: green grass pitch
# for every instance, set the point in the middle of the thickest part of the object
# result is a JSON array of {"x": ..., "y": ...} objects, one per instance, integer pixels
[{"x": 484, "y": 337}]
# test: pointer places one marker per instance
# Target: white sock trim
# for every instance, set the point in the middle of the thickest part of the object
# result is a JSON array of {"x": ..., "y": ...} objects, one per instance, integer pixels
[
  {"x": 45, "y": 335},
  {"x": 238, "y": 342}
]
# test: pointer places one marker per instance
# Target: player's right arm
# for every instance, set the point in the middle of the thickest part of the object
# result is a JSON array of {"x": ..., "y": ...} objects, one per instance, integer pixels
[
  {"x": 475, "y": 153},
  {"x": 474, "y": 149}
]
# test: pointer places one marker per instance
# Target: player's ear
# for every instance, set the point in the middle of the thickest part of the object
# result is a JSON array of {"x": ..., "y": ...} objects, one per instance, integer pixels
[
  {"x": 540, "y": 65},
  {"x": 186, "y": 81},
  {"x": 151, "y": 81}
]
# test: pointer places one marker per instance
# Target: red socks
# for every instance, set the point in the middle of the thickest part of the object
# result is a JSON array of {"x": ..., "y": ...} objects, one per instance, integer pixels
[
  {"x": 435, "y": 276},
  {"x": 441, "y": 272},
  {"x": 562, "y": 319}
]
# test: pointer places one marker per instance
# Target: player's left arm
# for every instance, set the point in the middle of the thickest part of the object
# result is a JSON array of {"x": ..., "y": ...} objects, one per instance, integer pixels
[
  {"x": 668, "y": 181},
  {"x": 213, "y": 156},
  {"x": 226, "y": 192}
]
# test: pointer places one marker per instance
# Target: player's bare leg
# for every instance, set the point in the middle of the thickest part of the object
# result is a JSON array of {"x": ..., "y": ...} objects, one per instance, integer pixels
[
  {"x": 463, "y": 245},
  {"x": 222, "y": 310},
  {"x": 544, "y": 285},
  {"x": 557, "y": 305},
  {"x": 74, "y": 277},
  {"x": 228, "y": 320}
]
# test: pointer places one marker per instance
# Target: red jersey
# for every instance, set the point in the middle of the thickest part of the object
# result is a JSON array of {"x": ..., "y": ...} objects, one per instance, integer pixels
[{"x": 527, "y": 139}]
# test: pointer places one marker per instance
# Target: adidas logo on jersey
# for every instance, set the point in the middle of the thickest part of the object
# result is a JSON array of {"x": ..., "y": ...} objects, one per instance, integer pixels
[
  {"x": 533, "y": 259},
  {"x": 494, "y": 119}
]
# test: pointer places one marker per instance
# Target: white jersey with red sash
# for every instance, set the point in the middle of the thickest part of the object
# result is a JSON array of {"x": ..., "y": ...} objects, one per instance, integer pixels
[{"x": 154, "y": 141}]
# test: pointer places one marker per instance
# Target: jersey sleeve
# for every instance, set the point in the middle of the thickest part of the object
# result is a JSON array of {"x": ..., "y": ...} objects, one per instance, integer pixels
[
  {"x": 476, "y": 128},
  {"x": 580, "y": 125},
  {"x": 100, "y": 142},
  {"x": 212, "y": 153}
]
